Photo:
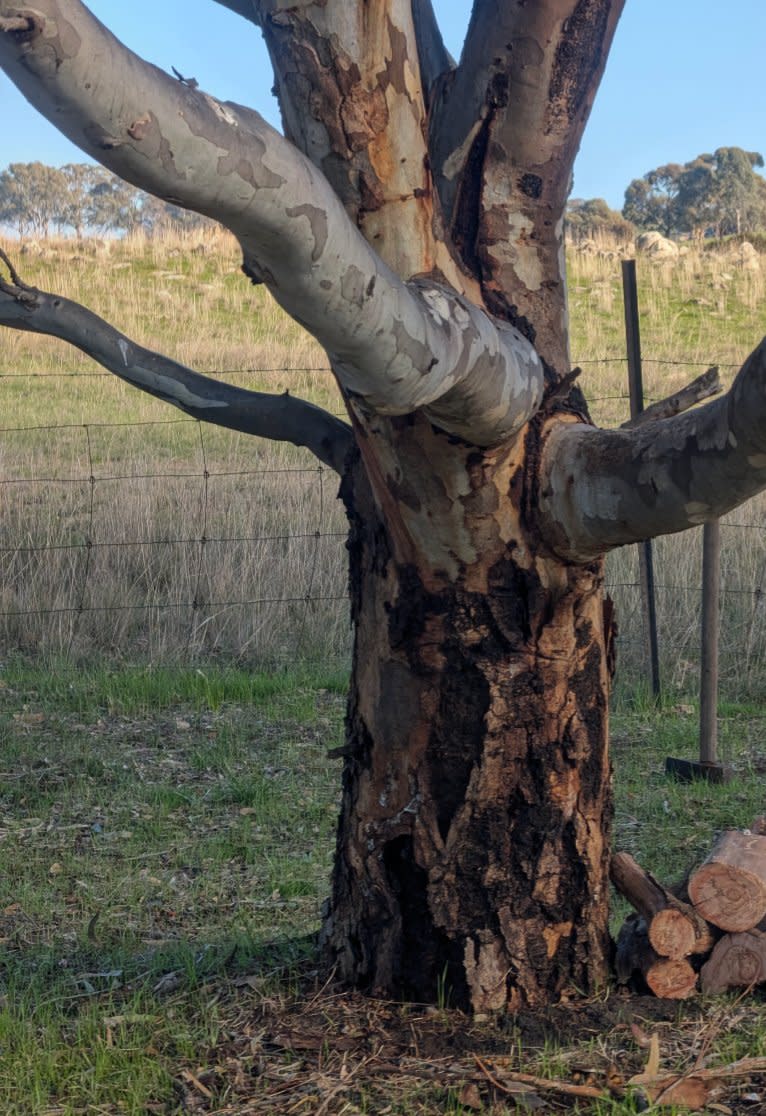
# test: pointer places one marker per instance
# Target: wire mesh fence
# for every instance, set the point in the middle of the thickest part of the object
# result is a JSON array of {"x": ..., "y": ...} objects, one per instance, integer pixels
[{"x": 168, "y": 539}]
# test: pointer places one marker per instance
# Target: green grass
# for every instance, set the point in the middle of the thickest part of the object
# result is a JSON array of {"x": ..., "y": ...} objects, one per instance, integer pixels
[{"x": 166, "y": 839}]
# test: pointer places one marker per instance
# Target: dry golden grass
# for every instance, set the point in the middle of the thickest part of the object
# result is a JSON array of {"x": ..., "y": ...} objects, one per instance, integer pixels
[{"x": 116, "y": 564}]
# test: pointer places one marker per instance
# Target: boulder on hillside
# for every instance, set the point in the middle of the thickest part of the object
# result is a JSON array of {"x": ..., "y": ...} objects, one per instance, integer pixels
[
  {"x": 747, "y": 257},
  {"x": 657, "y": 246}
]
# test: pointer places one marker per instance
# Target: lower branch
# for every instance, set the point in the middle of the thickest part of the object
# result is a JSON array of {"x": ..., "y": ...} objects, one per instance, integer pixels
[
  {"x": 605, "y": 488},
  {"x": 703, "y": 387},
  {"x": 278, "y": 417}
]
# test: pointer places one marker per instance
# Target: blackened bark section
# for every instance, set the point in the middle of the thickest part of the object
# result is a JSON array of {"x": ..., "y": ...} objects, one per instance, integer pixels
[
  {"x": 473, "y": 838},
  {"x": 457, "y": 734},
  {"x": 571, "y": 82},
  {"x": 465, "y": 219}
]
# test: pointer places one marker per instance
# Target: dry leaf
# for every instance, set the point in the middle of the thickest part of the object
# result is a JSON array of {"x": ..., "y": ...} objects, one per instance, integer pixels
[
  {"x": 653, "y": 1063},
  {"x": 639, "y": 1034},
  {"x": 685, "y": 1092},
  {"x": 470, "y": 1097}
]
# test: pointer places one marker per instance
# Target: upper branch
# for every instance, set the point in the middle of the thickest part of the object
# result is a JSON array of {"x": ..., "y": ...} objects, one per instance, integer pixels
[
  {"x": 278, "y": 417},
  {"x": 601, "y": 489},
  {"x": 504, "y": 131},
  {"x": 398, "y": 346},
  {"x": 248, "y": 9},
  {"x": 348, "y": 81},
  {"x": 435, "y": 59}
]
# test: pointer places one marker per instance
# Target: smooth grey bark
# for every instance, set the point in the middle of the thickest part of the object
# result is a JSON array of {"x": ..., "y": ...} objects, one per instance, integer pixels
[
  {"x": 397, "y": 346},
  {"x": 601, "y": 489},
  {"x": 277, "y": 417}
]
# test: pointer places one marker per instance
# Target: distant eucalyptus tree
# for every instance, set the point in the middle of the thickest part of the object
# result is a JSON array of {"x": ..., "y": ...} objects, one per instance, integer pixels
[{"x": 32, "y": 197}]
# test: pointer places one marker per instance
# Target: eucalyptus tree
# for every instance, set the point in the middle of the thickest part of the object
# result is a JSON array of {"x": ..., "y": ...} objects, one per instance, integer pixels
[
  {"x": 411, "y": 218},
  {"x": 32, "y": 197}
]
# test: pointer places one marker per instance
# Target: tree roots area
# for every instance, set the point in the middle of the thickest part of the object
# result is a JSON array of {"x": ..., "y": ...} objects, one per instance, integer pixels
[{"x": 336, "y": 1053}]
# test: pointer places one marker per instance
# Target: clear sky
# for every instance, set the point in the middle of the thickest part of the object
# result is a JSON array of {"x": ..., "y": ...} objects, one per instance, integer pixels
[{"x": 685, "y": 76}]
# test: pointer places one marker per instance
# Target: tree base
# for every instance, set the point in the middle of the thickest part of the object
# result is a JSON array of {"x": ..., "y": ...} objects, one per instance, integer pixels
[{"x": 472, "y": 856}]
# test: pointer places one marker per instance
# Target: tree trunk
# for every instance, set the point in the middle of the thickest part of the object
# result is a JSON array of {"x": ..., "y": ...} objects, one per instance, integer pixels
[{"x": 472, "y": 852}]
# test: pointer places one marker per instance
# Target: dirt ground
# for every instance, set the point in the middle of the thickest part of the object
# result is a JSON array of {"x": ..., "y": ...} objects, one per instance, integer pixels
[{"x": 324, "y": 1052}]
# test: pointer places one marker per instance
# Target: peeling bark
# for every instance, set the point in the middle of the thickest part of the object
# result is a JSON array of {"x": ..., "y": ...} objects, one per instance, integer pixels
[{"x": 357, "y": 68}]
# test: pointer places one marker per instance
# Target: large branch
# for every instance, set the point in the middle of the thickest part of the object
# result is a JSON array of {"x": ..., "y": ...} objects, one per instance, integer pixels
[
  {"x": 278, "y": 417},
  {"x": 397, "y": 346},
  {"x": 604, "y": 488},
  {"x": 248, "y": 9},
  {"x": 505, "y": 129}
]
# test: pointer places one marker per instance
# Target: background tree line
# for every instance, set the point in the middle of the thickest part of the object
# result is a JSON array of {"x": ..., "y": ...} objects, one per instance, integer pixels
[
  {"x": 80, "y": 198},
  {"x": 712, "y": 195}
]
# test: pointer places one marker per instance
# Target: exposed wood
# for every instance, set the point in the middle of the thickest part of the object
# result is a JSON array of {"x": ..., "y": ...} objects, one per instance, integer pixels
[
  {"x": 672, "y": 979},
  {"x": 675, "y": 930},
  {"x": 357, "y": 69},
  {"x": 737, "y": 961},
  {"x": 709, "y": 383},
  {"x": 729, "y": 889}
]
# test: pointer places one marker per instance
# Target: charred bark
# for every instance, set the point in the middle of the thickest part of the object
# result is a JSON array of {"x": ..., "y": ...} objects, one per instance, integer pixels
[{"x": 472, "y": 849}]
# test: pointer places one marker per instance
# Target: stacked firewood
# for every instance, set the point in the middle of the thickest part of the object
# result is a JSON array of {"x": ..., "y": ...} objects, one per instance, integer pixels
[{"x": 710, "y": 934}]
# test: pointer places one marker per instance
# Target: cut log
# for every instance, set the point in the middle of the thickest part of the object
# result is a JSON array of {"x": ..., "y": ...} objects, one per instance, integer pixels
[
  {"x": 671, "y": 979},
  {"x": 729, "y": 889},
  {"x": 737, "y": 961},
  {"x": 675, "y": 930}
]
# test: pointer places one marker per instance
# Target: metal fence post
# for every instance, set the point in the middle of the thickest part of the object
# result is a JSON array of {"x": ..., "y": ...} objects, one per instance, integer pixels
[
  {"x": 645, "y": 554},
  {"x": 711, "y": 574}
]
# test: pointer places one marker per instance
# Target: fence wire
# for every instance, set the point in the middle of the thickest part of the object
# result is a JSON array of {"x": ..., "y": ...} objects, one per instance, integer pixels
[{"x": 104, "y": 553}]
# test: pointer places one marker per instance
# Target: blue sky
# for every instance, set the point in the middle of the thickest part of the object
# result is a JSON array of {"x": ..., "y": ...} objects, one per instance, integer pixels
[{"x": 685, "y": 76}]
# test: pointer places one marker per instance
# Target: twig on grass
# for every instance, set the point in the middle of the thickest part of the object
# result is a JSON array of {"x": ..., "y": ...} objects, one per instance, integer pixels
[{"x": 567, "y": 1090}]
